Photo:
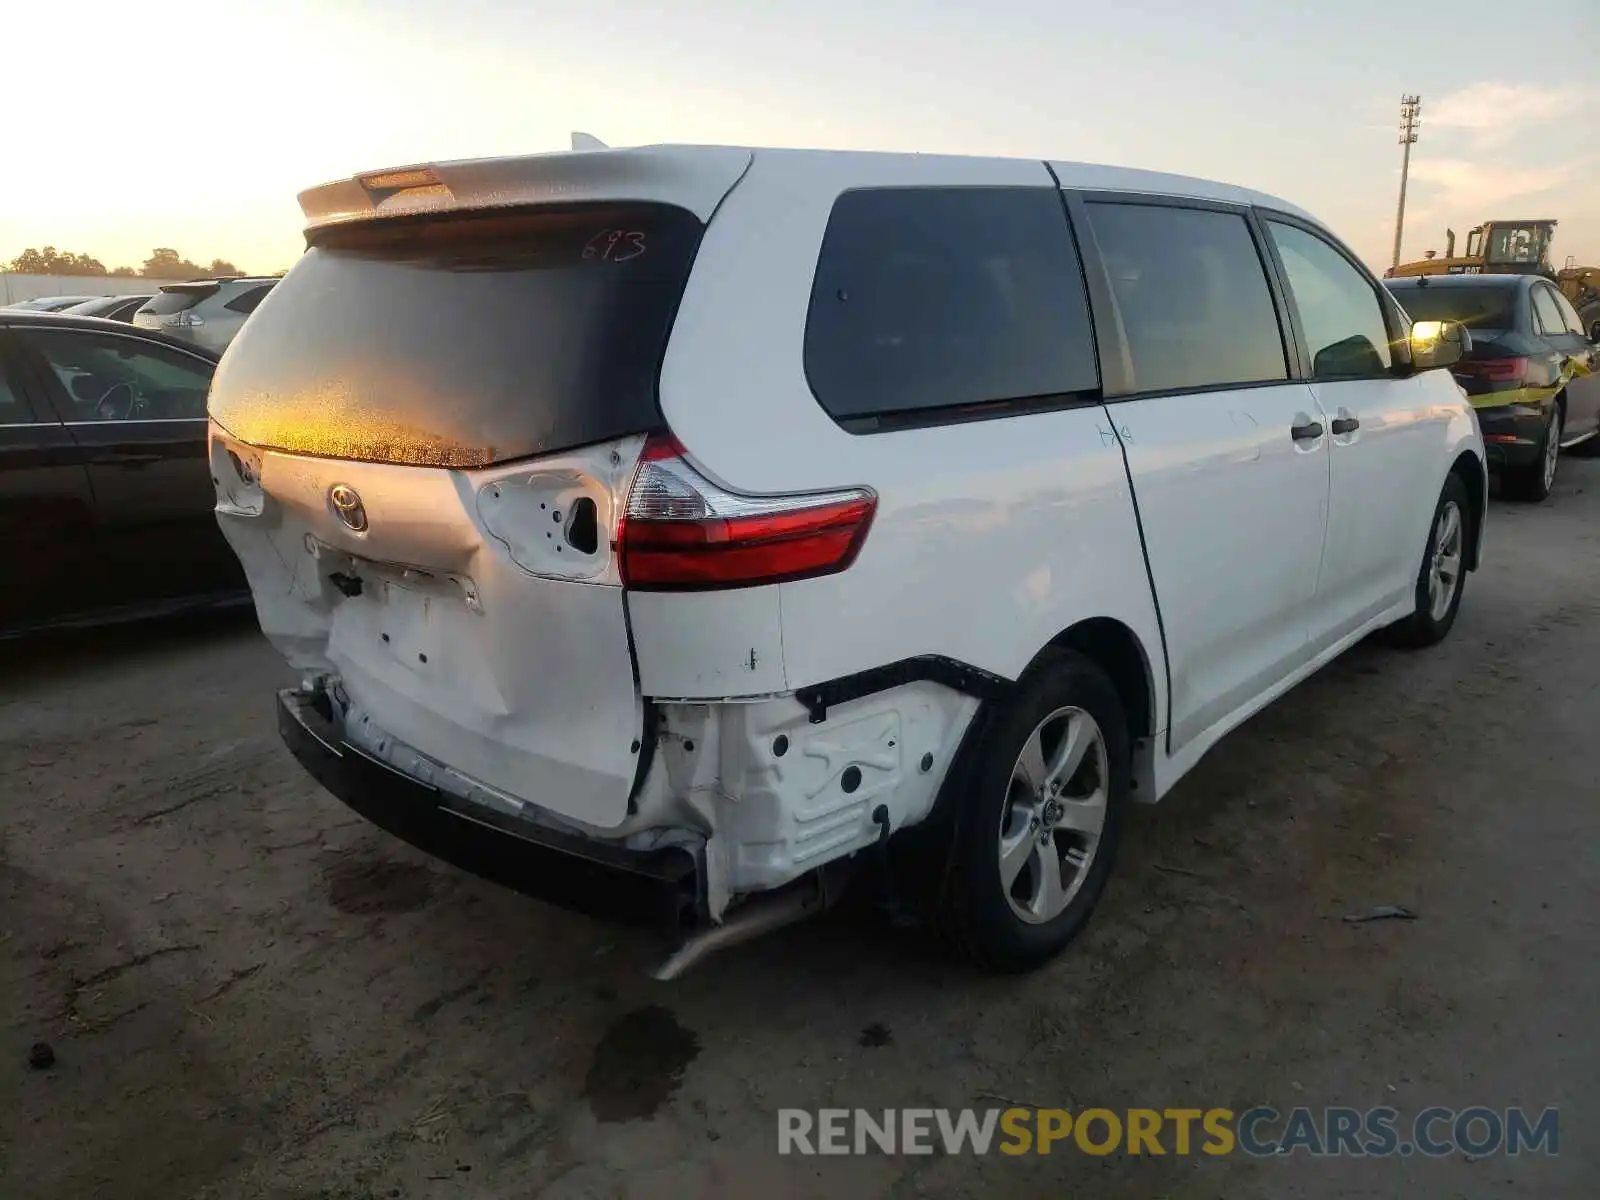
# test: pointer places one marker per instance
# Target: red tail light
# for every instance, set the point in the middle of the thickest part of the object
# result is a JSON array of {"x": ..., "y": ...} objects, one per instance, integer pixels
[
  {"x": 1492, "y": 370},
  {"x": 682, "y": 531}
]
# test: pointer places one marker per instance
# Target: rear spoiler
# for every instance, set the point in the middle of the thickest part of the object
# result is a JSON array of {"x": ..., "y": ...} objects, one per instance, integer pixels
[{"x": 692, "y": 177}]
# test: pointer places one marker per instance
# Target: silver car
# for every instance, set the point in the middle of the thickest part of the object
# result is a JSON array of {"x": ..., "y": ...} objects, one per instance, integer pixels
[
  {"x": 207, "y": 312},
  {"x": 50, "y": 303}
]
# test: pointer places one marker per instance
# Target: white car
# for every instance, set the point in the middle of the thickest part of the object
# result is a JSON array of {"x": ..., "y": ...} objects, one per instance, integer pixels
[
  {"x": 682, "y": 528},
  {"x": 207, "y": 312}
]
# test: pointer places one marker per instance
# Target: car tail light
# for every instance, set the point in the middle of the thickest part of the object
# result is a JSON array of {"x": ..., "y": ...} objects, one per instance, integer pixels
[
  {"x": 185, "y": 319},
  {"x": 681, "y": 531},
  {"x": 1492, "y": 370}
]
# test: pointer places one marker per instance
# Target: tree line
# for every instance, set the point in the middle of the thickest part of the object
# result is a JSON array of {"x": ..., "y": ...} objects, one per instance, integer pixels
[{"x": 164, "y": 263}]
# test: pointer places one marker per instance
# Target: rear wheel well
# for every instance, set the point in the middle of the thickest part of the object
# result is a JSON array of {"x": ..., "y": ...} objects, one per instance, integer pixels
[
  {"x": 926, "y": 849},
  {"x": 1116, "y": 650},
  {"x": 1470, "y": 469}
]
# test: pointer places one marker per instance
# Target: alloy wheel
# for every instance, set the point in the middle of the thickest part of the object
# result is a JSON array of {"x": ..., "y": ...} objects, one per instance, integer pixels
[
  {"x": 1444, "y": 575},
  {"x": 1552, "y": 449},
  {"x": 1054, "y": 814}
]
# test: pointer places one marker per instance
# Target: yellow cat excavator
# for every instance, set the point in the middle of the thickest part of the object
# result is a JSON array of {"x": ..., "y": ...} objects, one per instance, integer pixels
[{"x": 1514, "y": 248}]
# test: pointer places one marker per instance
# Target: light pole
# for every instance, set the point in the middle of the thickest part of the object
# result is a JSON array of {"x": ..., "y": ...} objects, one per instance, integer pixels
[{"x": 1410, "y": 118}]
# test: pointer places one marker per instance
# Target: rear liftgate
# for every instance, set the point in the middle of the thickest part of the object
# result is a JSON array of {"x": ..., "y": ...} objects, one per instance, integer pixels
[{"x": 472, "y": 622}]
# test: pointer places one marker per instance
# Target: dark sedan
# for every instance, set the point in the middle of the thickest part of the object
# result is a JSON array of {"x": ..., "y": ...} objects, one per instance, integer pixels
[
  {"x": 1531, "y": 372},
  {"x": 105, "y": 486}
]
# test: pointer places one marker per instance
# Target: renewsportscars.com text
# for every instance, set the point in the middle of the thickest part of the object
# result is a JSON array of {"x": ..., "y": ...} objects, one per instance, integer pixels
[{"x": 1260, "y": 1132}]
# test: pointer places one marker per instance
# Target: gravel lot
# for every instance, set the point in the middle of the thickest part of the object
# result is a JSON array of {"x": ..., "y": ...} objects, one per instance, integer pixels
[{"x": 251, "y": 993}]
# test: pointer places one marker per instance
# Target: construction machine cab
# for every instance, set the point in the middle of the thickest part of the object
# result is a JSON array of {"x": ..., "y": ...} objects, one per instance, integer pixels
[{"x": 1512, "y": 247}]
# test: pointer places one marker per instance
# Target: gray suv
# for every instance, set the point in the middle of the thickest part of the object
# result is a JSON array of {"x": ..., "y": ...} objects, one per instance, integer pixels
[{"x": 207, "y": 312}]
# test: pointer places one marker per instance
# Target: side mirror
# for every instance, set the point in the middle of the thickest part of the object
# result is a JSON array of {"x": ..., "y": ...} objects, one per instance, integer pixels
[{"x": 1437, "y": 344}]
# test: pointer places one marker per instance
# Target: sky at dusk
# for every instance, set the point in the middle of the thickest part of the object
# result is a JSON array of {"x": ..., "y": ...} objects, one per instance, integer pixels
[{"x": 194, "y": 126}]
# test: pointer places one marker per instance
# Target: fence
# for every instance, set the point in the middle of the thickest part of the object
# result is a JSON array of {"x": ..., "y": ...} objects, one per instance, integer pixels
[{"x": 15, "y": 288}]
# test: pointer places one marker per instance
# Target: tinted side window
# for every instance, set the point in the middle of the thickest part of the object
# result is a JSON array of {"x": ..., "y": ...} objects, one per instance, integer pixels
[
  {"x": 1193, "y": 296},
  {"x": 1546, "y": 315},
  {"x": 1570, "y": 316},
  {"x": 1338, "y": 305},
  {"x": 13, "y": 411},
  {"x": 928, "y": 298},
  {"x": 245, "y": 302},
  {"x": 112, "y": 378}
]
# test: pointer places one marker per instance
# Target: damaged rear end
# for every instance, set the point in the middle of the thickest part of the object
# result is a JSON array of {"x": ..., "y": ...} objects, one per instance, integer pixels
[
  {"x": 423, "y": 445},
  {"x": 538, "y": 637}
]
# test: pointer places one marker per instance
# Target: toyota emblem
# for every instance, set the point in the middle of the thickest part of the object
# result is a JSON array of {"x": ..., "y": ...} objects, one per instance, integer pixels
[{"x": 347, "y": 506}]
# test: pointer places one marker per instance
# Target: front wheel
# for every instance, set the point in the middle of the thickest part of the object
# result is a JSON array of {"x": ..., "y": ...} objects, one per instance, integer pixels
[
  {"x": 1443, "y": 575},
  {"x": 1037, "y": 829}
]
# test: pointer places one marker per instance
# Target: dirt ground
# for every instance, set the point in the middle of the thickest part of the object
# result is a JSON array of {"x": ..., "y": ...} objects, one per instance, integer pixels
[{"x": 252, "y": 993}]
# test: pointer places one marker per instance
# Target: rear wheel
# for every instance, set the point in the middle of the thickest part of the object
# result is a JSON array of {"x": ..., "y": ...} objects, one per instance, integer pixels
[
  {"x": 1443, "y": 574},
  {"x": 1037, "y": 829},
  {"x": 1534, "y": 481}
]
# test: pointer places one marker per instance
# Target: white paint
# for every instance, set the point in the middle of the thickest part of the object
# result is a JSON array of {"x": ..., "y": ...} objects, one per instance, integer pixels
[
  {"x": 694, "y": 645},
  {"x": 1270, "y": 556},
  {"x": 1233, "y": 511},
  {"x": 695, "y": 178},
  {"x": 1387, "y": 475},
  {"x": 1022, "y": 504},
  {"x": 523, "y": 682}
]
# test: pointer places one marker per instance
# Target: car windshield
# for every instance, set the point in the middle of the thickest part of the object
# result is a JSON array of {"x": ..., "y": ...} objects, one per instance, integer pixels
[{"x": 1486, "y": 307}]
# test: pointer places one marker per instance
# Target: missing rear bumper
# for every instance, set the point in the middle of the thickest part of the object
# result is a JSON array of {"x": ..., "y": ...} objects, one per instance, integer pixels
[{"x": 661, "y": 889}]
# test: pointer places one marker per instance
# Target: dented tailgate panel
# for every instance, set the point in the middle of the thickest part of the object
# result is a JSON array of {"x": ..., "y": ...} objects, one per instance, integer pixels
[{"x": 476, "y": 616}]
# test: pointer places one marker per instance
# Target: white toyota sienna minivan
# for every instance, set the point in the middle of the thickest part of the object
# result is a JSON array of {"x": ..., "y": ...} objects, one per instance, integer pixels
[{"x": 671, "y": 532}]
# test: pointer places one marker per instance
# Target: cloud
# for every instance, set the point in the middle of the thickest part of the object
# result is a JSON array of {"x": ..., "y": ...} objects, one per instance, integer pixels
[
  {"x": 1494, "y": 113},
  {"x": 1457, "y": 185},
  {"x": 1457, "y": 193}
]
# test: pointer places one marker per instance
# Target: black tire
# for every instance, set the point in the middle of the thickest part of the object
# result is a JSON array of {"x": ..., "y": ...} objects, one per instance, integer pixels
[
  {"x": 975, "y": 913},
  {"x": 1534, "y": 482},
  {"x": 1423, "y": 627}
]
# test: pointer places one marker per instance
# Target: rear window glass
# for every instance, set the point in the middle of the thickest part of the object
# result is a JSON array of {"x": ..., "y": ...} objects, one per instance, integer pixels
[
  {"x": 464, "y": 341},
  {"x": 1193, "y": 296},
  {"x": 245, "y": 302},
  {"x": 1474, "y": 307},
  {"x": 935, "y": 298},
  {"x": 177, "y": 300}
]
